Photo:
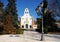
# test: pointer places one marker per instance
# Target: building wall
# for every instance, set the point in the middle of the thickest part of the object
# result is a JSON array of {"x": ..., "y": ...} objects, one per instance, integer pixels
[{"x": 26, "y": 21}]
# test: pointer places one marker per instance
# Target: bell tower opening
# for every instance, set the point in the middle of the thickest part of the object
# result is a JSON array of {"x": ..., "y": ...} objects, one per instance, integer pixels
[{"x": 26, "y": 11}]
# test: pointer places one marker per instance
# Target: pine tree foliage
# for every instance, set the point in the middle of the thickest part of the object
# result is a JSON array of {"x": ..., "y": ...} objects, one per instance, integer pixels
[
  {"x": 1, "y": 17},
  {"x": 48, "y": 18},
  {"x": 1, "y": 12},
  {"x": 11, "y": 9},
  {"x": 8, "y": 25}
]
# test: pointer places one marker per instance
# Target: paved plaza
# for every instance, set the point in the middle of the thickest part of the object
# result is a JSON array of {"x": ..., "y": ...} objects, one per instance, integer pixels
[{"x": 29, "y": 36}]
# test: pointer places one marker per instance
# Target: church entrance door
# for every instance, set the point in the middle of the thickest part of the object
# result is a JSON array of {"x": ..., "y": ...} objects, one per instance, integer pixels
[{"x": 26, "y": 25}]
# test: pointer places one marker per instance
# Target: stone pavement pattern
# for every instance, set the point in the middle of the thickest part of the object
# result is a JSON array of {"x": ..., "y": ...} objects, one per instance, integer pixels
[{"x": 28, "y": 36}]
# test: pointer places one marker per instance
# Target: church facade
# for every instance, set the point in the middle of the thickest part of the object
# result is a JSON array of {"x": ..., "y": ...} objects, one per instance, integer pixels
[{"x": 27, "y": 21}]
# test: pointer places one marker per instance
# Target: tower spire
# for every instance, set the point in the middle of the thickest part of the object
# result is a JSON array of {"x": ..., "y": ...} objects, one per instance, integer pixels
[{"x": 26, "y": 11}]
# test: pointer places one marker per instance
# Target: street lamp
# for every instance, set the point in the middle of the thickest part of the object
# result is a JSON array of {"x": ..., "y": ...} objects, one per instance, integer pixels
[{"x": 38, "y": 10}]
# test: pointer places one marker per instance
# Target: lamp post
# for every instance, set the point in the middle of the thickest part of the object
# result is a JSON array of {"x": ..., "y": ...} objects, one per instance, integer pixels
[{"x": 38, "y": 10}]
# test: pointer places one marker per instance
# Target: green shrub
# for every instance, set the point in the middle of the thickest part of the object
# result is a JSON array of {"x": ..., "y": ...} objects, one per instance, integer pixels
[
  {"x": 40, "y": 30},
  {"x": 19, "y": 31},
  {"x": 45, "y": 30}
]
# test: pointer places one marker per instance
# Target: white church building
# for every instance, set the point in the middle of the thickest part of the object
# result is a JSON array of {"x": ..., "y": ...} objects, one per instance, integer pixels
[{"x": 27, "y": 21}]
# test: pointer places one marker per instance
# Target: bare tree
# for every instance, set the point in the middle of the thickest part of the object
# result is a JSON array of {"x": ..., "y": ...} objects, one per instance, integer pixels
[{"x": 54, "y": 5}]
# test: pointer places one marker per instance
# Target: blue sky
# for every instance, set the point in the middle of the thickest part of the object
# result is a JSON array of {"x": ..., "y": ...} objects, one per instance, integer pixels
[
  {"x": 22, "y": 4},
  {"x": 30, "y": 4}
]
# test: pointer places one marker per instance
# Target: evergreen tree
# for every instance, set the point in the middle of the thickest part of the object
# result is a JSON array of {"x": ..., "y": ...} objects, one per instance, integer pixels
[
  {"x": 48, "y": 18},
  {"x": 1, "y": 12},
  {"x": 8, "y": 25},
  {"x": 11, "y": 9},
  {"x": 1, "y": 17},
  {"x": 54, "y": 5}
]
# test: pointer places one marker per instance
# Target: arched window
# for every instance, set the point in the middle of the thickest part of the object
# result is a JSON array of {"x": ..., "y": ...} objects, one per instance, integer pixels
[
  {"x": 30, "y": 26},
  {"x": 22, "y": 26}
]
